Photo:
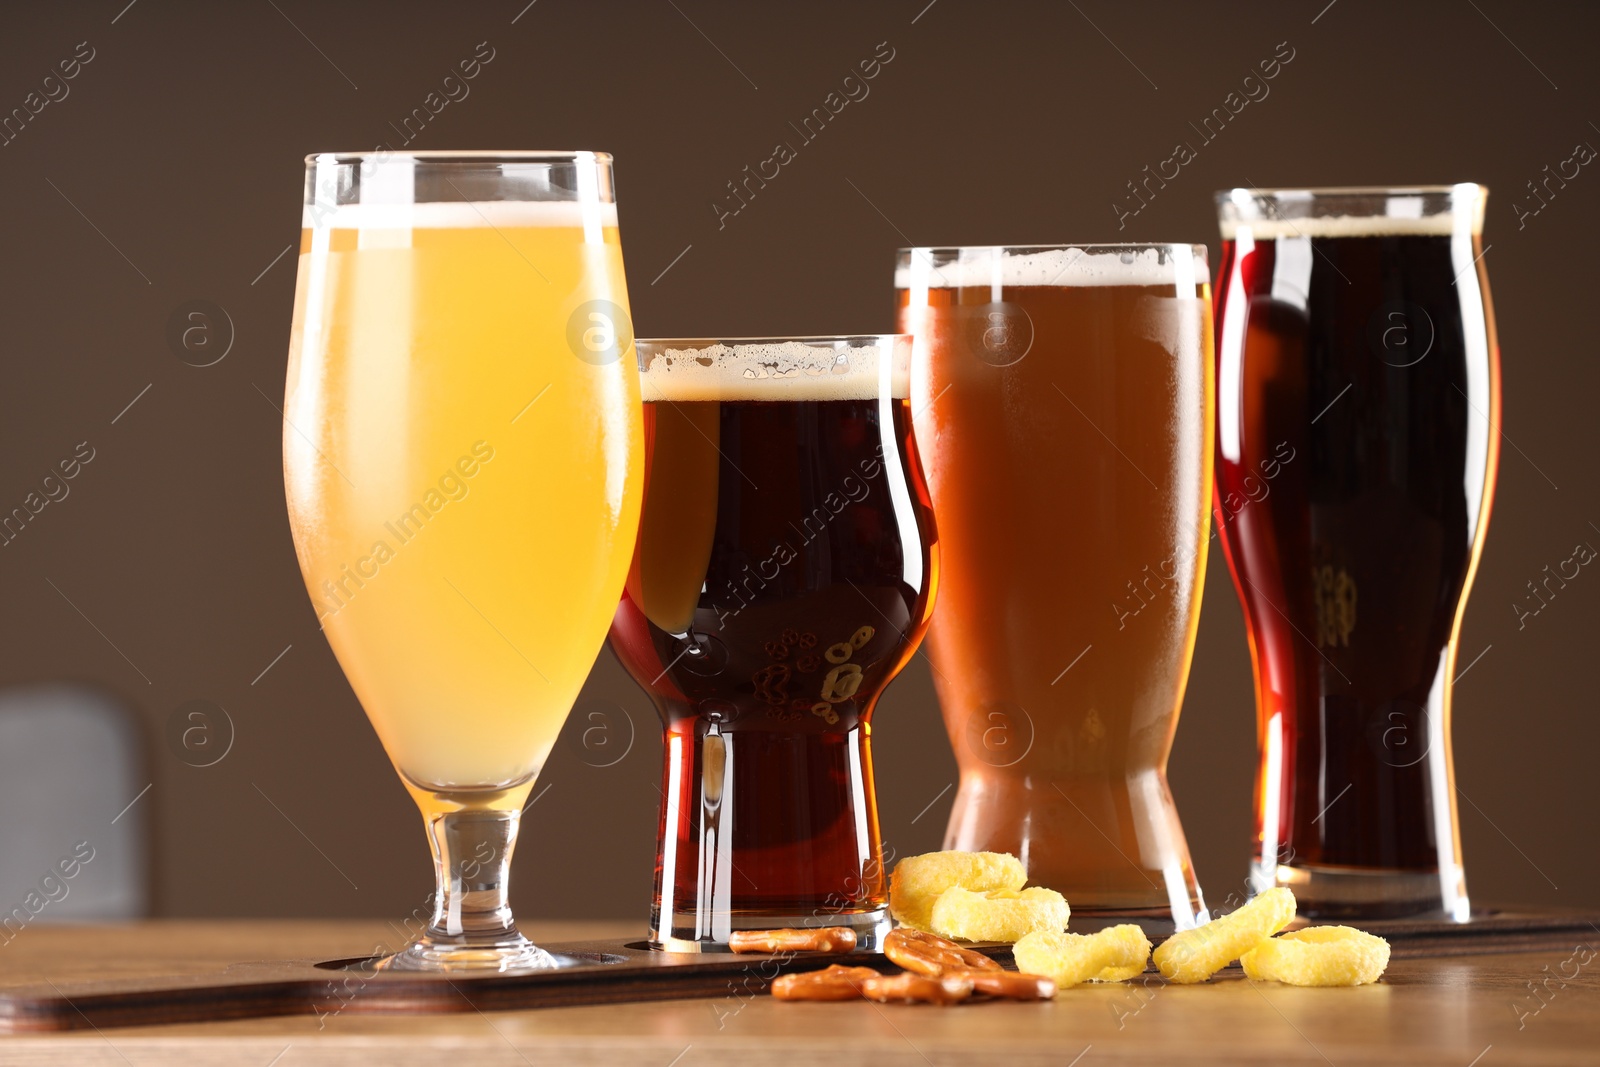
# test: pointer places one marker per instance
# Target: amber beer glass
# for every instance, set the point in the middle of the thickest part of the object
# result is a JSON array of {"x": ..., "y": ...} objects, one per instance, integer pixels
[
  {"x": 1357, "y": 442},
  {"x": 784, "y": 575},
  {"x": 463, "y": 450},
  {"x": 1064, "y": 410}
]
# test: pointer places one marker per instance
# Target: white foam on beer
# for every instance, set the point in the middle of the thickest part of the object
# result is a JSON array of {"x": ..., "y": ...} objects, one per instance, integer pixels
[
  {"x": 1441, "y": 225},
  {"x": 459, "y": 215},
  {"x": 778, "y": 370},
  {"x": 1050, "y": 266}
]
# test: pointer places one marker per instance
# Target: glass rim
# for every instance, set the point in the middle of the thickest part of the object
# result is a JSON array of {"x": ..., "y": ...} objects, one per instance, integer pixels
[
  {"x": 1419, "y": 210},
  {"x": 1335, "y": 192},
  {"x": 818, "y": 367},
  {"x": 1051, "y": 265},
  {"x": 1056, "y": 246},
  {"x": 854, "y": 339},
  {"x": 438, "y": 157}
]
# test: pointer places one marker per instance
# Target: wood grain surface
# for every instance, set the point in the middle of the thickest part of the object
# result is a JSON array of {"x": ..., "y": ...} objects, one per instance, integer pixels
[{"x": 1539, "y": 1004}]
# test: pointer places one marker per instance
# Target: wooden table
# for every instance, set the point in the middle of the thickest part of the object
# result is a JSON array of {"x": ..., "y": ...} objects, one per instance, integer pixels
[{"x": 1458, "y": 1011}]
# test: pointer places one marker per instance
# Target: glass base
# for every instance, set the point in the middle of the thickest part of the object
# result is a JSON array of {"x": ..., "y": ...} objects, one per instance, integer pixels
[
  {"x": 1111, "y": 844},
  {"x": 1154, "y": 921},
  {"x": 869, "y": 926},
  {"x": 507, "y": 955},
  {"x": 1368, "y": 892},
  {"x": 472, "y": 835}
]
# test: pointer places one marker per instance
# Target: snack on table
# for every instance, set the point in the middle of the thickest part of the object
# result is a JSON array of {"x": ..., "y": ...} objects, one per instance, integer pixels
[
  {"x": 1010, "y": 985},
  {"x": 931, "y": 955},
  {"x": 833, "y": 983},
  {"x": 818, "y": 939},
  {"x": 998, "y": 915},
  {"x": 1319, "y": 956},
  {"x": 918, "y": 989},
  {"x": 917, "y": 881},
  {"x": 1112, "y": 955},
  {"x": 1195, "y": 955}
]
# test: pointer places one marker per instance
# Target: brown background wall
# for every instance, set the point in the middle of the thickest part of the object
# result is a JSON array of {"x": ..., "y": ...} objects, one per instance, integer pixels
[{"x": 179, "y": 148}]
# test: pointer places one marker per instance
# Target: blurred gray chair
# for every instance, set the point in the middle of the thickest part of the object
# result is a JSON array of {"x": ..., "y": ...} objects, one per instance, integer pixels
[{"x": 71, "y": 846}]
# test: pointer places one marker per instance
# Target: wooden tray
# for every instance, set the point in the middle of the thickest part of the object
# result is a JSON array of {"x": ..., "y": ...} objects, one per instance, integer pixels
[{"x": 601, "y": 972}]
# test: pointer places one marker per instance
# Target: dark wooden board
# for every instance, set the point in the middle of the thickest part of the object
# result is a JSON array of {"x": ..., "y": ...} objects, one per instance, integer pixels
[{"x": 604, "y": 972}]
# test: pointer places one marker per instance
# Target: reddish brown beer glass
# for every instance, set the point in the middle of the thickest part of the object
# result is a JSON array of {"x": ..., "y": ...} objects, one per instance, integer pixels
[{"x": 1064, "y": 411}]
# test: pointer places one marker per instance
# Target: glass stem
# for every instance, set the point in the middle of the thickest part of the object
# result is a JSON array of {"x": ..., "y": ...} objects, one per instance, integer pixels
[{"x": 472, "y": 863}]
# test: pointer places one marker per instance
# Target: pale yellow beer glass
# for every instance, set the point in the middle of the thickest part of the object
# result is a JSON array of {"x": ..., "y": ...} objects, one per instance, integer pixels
[{"x": 463, "y": 456}]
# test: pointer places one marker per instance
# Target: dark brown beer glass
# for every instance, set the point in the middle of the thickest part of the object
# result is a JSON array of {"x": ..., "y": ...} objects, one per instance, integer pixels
[
  {"x": 784, "y": 575},
  {"x": 1358, "y": 411}
]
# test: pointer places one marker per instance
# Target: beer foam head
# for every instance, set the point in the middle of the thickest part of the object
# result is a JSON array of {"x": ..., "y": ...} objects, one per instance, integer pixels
[
  {"x": 1341, "y": 226},
  {"x": 1430, "y": 211},
  {"x": 1080, "y": 265},
  {"x": 858, "y": 368},
  {"x": 457, "y": 215}
]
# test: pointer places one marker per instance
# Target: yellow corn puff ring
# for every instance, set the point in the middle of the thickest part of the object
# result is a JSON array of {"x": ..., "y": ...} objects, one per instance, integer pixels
[
  {"x": 1319, "y": 956},
  {"x": 1112, "y": 955},
  {"x": 1195, "y": 955},
  {"x": 998, "y": 915},
  {"x": 917, "y": 881}
]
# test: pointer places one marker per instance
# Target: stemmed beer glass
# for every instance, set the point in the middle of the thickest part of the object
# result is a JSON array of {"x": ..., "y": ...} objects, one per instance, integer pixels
[{"x": 463, "y": 455}]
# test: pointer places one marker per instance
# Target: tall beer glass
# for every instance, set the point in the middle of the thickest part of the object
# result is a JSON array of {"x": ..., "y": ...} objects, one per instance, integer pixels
[
  {"x": 1064, "y": 407},
  {"x": 784, "y": 576},
  {"x": 464, "y": 460},
  {"x": 1357, "y": 442}
]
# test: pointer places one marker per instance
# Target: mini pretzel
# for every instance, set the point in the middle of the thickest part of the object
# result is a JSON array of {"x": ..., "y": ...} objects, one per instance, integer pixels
[
  {"x": 818, "y": 939},
  {"x": 1010, "y": 985},
  {"x": 770, "y": 681},
  {"x": 915, "y": 989},
  {"x": 832, "y": 983},
  {"x": 931, "y": 955}
]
